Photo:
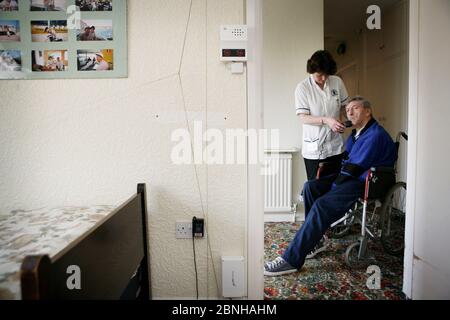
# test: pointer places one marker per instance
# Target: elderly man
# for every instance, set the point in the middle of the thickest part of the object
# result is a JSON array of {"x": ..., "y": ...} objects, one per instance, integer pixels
[{"x": 329, "y": 198}]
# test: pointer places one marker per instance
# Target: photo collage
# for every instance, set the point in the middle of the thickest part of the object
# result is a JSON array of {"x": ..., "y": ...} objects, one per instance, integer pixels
[{"x": 90, "y": 39}]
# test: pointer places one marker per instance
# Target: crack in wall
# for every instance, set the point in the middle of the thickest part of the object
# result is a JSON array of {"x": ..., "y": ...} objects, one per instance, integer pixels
[{"x": 204, "y": 212}]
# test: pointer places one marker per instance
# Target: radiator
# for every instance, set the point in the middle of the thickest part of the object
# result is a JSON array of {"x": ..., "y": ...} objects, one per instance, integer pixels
[{"x": 278, "y": 183}]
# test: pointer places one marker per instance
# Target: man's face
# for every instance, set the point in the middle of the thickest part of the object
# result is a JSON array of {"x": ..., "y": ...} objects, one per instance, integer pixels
[
  {"x": 356, "y": 113},
  {"x": 320, "y": 78}
]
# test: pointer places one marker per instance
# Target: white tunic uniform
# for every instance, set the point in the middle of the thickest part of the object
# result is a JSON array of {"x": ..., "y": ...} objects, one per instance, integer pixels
[{"x": 319, "y": 142}]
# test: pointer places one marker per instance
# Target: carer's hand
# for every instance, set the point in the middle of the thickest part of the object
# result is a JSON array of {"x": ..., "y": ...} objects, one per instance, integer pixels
[{"x": 335, "y": 125}]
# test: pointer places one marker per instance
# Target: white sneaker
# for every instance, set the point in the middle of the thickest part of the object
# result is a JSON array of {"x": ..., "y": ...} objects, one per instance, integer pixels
[{"x": 321, "y": 246}]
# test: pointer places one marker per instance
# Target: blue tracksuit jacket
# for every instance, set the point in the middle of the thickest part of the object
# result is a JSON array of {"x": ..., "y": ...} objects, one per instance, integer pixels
[{"x": 373, "y": 148}]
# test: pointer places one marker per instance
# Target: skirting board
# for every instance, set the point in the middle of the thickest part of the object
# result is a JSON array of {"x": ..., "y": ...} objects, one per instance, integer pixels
[{"x": 284, "y": 217}]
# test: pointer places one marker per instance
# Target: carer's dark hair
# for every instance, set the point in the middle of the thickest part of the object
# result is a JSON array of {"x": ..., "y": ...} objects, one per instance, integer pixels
[{"x": 322, "y": 61}]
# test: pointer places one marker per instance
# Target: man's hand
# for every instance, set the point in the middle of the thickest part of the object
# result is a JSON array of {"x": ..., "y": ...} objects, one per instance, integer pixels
[{"x": 335, "y": 125}]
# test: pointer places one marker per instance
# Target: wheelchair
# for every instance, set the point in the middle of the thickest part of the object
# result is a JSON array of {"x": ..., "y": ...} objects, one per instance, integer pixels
[{"x": 380, "y": 212}]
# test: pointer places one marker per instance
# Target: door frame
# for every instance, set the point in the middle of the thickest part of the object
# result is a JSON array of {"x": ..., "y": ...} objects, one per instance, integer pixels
[
  {"x": 255, "y": 181},
  {"x": 411, "y": 178}
]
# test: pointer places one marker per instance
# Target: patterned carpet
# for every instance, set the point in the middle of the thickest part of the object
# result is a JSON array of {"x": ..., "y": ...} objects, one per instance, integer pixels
[{"x": 327, "y": 276}]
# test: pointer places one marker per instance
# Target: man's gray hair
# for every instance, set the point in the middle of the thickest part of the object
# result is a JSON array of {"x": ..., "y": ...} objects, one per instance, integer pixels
[{"x": 365, "y": 103}]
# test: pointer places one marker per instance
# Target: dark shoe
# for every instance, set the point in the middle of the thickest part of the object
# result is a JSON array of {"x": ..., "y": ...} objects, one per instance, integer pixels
[{"x": 278, "y": 267}]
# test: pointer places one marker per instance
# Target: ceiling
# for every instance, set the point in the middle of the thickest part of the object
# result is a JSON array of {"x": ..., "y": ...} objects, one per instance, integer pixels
[{"x": 345, "y": 17}]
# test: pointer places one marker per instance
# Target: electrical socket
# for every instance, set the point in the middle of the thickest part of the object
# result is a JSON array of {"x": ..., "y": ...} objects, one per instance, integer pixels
[{"x": 183, "y": 230}]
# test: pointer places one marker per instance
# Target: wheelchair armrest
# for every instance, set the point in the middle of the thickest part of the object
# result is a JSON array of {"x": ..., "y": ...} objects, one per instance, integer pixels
[
  {"x": 382, "y": 170},
  {"x": 327, "y": 168},
  {"x": 326, "y": 164},
  {"x": 379, "y": 181}
]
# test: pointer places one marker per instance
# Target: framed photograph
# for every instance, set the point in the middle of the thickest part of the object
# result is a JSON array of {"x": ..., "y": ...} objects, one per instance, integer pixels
[
  {"x": 9, "y": 5},
  {"x": 95, "y": 30},
  {"x": 94, "y": 5},
  {"x": 95, "y": 60},
  {"x": 48, "y": 5},
  {"x": 9, "y": 30},
  {"x": 49, "y": 31},
  {"x": 63, "y": 39},
  {"x": 10, "y": 61},
  {"x": 49, "y": 60}
]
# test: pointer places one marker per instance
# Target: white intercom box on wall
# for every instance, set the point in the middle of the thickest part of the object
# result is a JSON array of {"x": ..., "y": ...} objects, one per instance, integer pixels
[{"x": 233, "y": 43}]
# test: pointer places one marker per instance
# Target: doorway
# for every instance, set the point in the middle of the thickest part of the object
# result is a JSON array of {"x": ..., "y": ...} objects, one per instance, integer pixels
[{"x": 372, "y": 63}]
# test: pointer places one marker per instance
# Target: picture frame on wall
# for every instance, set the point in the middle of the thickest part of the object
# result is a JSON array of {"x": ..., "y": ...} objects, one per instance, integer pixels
[
  {"x": 9, "y": 5},
  {"x": 48, "y": 5},
  {"x": 53, "y": 39}
]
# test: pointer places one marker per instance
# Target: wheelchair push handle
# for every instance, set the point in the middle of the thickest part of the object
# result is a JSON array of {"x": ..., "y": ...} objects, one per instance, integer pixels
[{"x": 403, "y": 135}]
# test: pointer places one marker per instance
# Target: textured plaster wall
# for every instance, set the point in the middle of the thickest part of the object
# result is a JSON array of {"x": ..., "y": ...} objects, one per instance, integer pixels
[{"x": 78, "y": 142}]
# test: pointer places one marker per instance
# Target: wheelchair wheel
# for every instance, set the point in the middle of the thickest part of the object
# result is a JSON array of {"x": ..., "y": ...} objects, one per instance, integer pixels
[
  {"x": 393, "y": 213},
  {"x": 352, "y": 258}
]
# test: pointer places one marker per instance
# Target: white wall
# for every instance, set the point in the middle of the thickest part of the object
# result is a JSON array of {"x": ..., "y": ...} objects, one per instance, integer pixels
[
  {"x": 430, "y": 71},
  {"x": 81, "y": 142},
  {"x": 293, "y": 31}
]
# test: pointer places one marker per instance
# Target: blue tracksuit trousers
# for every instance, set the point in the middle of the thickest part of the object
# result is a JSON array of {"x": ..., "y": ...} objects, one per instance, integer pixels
[{"x": 325, "y": 203}]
